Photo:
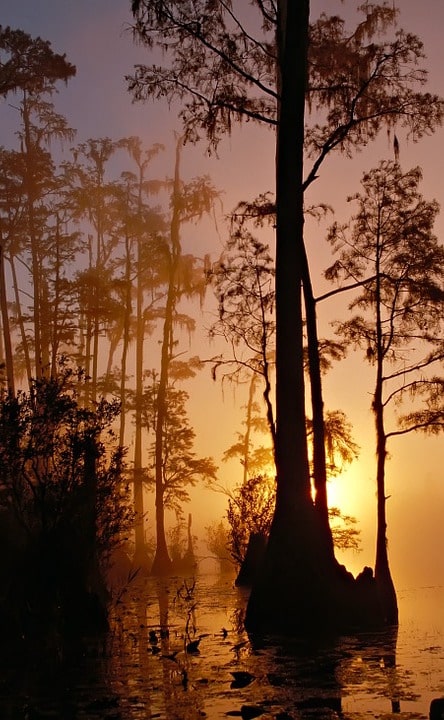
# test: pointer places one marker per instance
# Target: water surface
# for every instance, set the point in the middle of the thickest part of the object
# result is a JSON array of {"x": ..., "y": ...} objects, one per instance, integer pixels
[{"x": 177, "y": 651}]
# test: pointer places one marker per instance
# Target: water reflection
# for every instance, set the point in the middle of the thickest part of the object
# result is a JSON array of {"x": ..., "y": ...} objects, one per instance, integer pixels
[
  {"x": 318, "y": 678},
  {"x": 177, "y": 651}
]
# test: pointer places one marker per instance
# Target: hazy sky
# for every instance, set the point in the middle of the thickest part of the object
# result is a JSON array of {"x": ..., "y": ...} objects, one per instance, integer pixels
[{"x": 94, "y": 35}]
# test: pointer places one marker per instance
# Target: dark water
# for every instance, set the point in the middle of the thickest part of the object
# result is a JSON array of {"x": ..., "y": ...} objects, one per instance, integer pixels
[{"x": 150, "y": 667}]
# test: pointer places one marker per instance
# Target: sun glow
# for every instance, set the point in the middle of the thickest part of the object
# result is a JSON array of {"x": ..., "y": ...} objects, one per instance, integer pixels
[{"x": 352, "y": 492}]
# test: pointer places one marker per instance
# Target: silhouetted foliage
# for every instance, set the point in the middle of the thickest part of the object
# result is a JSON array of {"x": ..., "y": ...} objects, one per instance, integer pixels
[
  {"x": 64, "y": 505},
  {"x": 250, "y": 511},
  {"x": 29, "y": 64}
]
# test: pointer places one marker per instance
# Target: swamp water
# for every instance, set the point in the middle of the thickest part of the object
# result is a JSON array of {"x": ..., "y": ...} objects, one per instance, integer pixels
[{"x": 177, "y": 651}]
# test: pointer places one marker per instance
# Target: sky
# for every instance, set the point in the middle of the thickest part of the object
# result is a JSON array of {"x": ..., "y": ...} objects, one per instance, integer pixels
[{"x": 95, "y": 36}]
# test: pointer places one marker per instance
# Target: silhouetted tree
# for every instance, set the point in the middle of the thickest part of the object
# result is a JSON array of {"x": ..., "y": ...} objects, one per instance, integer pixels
[
  {"x": 31, "y": 69},
  {"x": 389, "y": 254},
  {"x": 179, "y": 468},
  {"x": 356, "y": 86},
  {"x": 185, "y": 279},
  {"x": 254, "y": 459},
  {"x": 29, "y": 64},
  {"x": 92, "y": 196},
  {"x": 243, "y": 283},
  {"x": 150, "y": 274}
]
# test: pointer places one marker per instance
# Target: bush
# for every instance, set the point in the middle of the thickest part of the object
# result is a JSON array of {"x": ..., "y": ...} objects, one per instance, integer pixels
[{"x": 64, "y": 504}]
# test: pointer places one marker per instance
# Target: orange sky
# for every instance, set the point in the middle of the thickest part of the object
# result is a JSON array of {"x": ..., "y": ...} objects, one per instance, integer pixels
[{"x": 92, "y": 34}]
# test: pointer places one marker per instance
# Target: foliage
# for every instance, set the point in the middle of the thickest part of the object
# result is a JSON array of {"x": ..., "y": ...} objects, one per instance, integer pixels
[
  {"x": 29, "y": 64},
  {"x": 343, "y": 527},
  {"x": 340, "y": 446},
  {"x": 362, "y": 82},
  {"x": 226, "y": 61},
  {"x": 390, "y": 256},
  {"x": 243, "y": 283},
  {"x": 218, "y": 542},
  {"x": 250, "y": 511},
  {"x": 64, "y": 508},
  {"x": 359, "y": 81},
  {"x": 181, "y": 468},
  {"x": 58, "y": 464},
  {"x": 243, "y": 280},
  {"x": 430, "y": 417}
]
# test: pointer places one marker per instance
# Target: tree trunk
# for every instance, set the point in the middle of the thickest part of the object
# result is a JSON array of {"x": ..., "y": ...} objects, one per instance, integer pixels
[
  {"x": 126, "y": 339},
  {"x": 140, "y": 554},
  {"x": 383, "y": 576},
  {"x": 5, "y": 326},
  {"x": 96, "y": 299},
  {"x": 247, "y": 436},
  {"x": 162, "y": 562},
  {"x": 45, "y": 325},
  {"x": 20, "y": 321},
  {"x": 35, "y": 260},
  {"x": 55, "y": 340},
  {"x": 88, "y": 325},
  {"x": 95, "y": 343},
  {"x": 274, "y": 592},
  {"x": 299, "y": 587},
  {"x": 317, "y": 405}
]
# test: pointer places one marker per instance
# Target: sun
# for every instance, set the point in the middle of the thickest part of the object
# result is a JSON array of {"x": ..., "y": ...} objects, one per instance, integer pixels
[{"x": 351, "y": 491}]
